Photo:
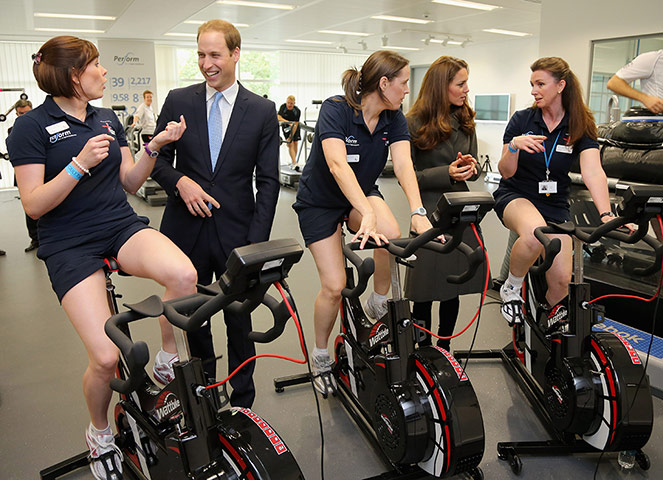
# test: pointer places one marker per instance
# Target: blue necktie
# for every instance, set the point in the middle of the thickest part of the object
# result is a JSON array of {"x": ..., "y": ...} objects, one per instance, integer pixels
[{"x": 215, "y": 129}]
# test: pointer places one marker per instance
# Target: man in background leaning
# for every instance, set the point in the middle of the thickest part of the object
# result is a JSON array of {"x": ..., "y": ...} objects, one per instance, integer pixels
[
  {"x": 22, "y": 107},
  {"x": 211, "y": 207},
  {"x": 648, "y": 68}
]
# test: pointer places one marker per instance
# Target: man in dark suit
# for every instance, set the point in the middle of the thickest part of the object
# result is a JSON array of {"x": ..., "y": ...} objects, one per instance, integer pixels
[{"x": 211, "y": 206}]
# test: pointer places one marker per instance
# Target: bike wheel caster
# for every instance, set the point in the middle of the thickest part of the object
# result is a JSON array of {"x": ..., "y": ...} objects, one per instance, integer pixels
[
  {"x": 643, "y": 460},
  {"x": 508, "y": 454},
  {"x": 476, "y": 473}
]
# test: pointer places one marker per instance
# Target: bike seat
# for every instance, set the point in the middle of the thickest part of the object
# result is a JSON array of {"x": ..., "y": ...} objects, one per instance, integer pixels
[{"x": 112, "y": 267}]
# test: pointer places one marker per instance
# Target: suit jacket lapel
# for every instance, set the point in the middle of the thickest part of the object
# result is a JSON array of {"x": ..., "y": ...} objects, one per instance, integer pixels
[
  {"x": 239, "y": 109},
  {"x": 199, "y": 109}
]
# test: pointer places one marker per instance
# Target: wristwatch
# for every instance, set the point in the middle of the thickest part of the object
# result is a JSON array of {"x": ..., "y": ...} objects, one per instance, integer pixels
[
  {"x": 150, "y": 152},
  {"x": 419, "y": 211}
]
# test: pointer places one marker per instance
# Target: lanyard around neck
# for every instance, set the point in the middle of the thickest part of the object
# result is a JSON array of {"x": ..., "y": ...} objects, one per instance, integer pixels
[{"x": 548, "y": 158}]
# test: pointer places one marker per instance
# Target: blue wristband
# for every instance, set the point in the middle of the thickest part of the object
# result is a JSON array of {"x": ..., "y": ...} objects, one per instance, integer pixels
[
  {"x": 73, "y": 172},
  {"x": 512, "y": 150}
]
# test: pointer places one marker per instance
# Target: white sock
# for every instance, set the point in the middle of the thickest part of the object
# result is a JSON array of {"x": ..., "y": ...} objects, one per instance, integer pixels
[
  {"x": 514, "y": 282},
  {"x": 165, "y": 357},
  {"x": 320, "y": 352},
  {"x": 95, "y": 431},
  {"x": 379, "y": 299}
]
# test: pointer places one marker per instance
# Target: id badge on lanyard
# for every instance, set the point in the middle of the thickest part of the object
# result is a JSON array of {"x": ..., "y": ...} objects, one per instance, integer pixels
[{"x": 549, "y": 186}]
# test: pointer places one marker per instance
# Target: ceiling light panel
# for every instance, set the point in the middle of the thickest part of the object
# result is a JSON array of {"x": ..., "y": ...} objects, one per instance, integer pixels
[
  {"x": 72, "y": 30},
  {"x": 343, "y": 32},
  {"x": 310, "y": 42},
  {"x": 395, "y": 47},
  {"x": 246, "y": 3},
  {"x": 74, "y": 16},
  {"x": 506, "y": 32},
  {"x": 392, "y": 18},
  {"x": 466, "y": 4},
  {"x": 200, "y": 22}
]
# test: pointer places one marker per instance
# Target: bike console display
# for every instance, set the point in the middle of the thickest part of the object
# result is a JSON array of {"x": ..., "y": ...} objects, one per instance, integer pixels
[{"x": 259, "y": 263}]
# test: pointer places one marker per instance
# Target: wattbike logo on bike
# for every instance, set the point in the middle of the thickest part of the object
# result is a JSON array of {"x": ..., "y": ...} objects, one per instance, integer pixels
[
  {"x": 379, "y": 332},
  {"x": 167, "y": 404}
]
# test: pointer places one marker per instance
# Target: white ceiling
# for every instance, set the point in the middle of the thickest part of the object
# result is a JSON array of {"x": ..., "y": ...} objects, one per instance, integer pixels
[{"x": 269, "y": 28}]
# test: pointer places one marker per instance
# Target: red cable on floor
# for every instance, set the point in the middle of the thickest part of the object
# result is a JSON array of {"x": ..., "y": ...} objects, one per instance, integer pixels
[
  {"x": 483, "y": 295},
  {"x": 272, "y": 355},
  {"x": 658, "y": 290}
]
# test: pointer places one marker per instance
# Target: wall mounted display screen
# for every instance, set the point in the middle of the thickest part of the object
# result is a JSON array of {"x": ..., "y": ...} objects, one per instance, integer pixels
[{"x": 492, "y": 107}]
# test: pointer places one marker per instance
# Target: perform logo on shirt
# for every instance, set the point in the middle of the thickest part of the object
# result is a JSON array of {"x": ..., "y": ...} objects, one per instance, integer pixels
[
  {"x": 385, "y": 138},
  {"x": 106, "y": 124},
  {"x": 61, "y": 136},
  {"x": 351, "y": 141}
]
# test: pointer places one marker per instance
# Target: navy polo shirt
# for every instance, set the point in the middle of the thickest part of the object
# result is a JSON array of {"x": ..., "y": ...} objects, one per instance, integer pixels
[
  {"x": 532, "y": 166},
  {"x": 49, "y": 136},
  {"x": 366, "y": 152}
]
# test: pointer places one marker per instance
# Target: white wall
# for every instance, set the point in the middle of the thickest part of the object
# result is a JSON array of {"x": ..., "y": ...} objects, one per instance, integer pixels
[
  {"x": 569, "y": 26},
  {"x": 499, "y": 67}
]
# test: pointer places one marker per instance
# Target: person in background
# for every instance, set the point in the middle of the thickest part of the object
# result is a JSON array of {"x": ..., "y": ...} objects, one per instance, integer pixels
[
  {"x": 444, "y": 151},
  {"x": 145, "y": 118},
  {"x": 72, "y": 166},
  {"x": 648, "y": 68},
  {"x": 211, "y": 207},
  {"x": 540, "y": 145},
  {"x": 353, "y": 136},
  {"x": 22, "y": 107},
  {"x": 290, "y": 113}
]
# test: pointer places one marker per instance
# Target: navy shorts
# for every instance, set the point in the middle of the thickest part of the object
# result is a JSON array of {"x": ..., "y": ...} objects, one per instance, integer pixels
[
  {"x": 69, "y": 267},
  {"x": 550, "y": 213},
  {"x": 318, "y": 223}
]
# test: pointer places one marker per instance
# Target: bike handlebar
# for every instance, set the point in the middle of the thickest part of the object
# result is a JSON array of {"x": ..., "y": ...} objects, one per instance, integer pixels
[
  {"x": 639, "y": 206},
  {"x": 404, "y": 248}
]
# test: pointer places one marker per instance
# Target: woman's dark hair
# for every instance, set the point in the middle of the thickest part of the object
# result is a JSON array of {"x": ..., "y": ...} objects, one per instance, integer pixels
[
  {"x": 383, "y": 63},
  {"x": 433, "y": 110},
  {"x": 60, "y": 58},
  {"x": 581, "y": 119}
]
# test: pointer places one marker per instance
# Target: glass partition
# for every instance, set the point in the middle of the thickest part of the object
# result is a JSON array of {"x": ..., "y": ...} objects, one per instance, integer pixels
[{"x": 608, "y": 56}]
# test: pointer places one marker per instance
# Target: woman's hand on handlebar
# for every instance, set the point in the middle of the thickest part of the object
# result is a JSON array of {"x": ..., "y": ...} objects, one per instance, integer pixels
[
  {"x": 368, "y": 229},
  {"x": 629, "y": 228},
  {"x": 420, "y": 224}
]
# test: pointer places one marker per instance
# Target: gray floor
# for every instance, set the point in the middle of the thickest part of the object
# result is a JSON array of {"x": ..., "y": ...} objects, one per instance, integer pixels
[{"x": 43, "y": 416}]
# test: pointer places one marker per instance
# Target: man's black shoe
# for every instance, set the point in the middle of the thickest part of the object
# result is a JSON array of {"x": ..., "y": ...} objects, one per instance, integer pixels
[{"x": 33, "y": 246}]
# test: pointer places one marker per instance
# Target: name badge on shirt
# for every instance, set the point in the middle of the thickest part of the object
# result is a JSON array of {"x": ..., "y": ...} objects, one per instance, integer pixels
[
  {"x": 57, "y": 127},
  {"x": 353, "y": 158},
  {"x": 547, "y": 187},
  {"x": 564, "y": 148}
]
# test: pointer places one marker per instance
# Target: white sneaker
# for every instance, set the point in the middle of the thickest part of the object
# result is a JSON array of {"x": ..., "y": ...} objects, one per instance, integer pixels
[
  {"x": 512, "y": 304},
  {"x": 105, "y": 457},
  {"x": 323, "y": 379},
  {"x": 163, "y": 371},
  {"x": 374, "y": 308}
]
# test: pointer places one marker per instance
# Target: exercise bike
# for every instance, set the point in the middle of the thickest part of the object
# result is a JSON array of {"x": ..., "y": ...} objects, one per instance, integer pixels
[
  {"x": 589, "y": 389},
  {"x": 416, "y": 406},
  {"x": 181, "y": 431}
]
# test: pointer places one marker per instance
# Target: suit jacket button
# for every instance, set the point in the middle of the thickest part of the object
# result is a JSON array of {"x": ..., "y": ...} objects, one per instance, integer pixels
[{"x": 211, "y": 184}]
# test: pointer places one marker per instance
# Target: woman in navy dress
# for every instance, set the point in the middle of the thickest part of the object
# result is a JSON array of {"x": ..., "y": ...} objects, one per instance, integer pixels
[{"x": 72, "y": 166}]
